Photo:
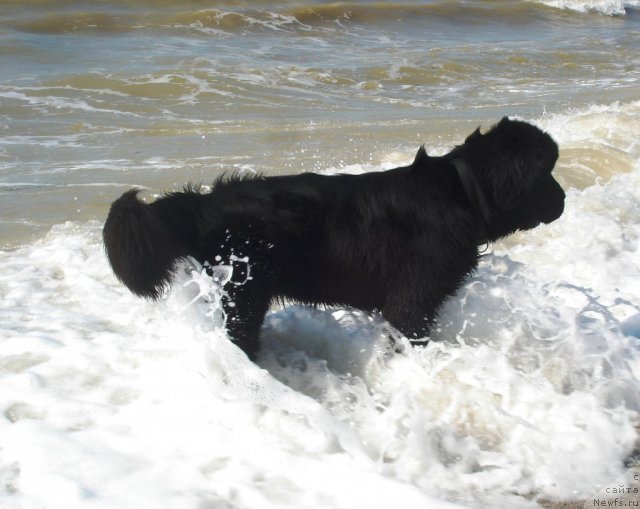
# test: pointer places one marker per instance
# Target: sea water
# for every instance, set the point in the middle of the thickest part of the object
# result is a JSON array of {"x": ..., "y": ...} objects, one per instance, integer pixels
[{"x": 528, "y": 394}]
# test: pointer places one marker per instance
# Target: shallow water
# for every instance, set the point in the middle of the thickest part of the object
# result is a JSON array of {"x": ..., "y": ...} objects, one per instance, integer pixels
[{"x": 529, "y": 390}]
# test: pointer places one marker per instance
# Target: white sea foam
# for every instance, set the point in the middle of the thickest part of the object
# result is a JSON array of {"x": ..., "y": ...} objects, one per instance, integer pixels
[
  {"x": 608, "y": 7},
  {"x": 50, "y": 103},
  {"x": 529, "y": 389}
]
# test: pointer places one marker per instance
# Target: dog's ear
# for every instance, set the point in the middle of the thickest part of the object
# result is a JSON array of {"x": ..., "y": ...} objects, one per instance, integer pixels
[{"x": 421, "y": 156}]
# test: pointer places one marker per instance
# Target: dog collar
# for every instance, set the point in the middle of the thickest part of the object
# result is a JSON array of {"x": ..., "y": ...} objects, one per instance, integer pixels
[{"x": 476, "y": 197}]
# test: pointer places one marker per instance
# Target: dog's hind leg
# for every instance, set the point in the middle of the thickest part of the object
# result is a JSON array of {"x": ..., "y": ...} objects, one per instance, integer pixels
[{"x": 245, "y": 307}]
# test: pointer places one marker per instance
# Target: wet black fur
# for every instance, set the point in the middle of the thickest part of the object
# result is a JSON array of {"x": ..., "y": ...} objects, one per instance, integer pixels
[{"x": 397, "y": 241}]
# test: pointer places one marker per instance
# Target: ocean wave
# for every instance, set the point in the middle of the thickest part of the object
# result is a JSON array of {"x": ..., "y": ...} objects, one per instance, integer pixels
[{"x": 231, "y": 17}]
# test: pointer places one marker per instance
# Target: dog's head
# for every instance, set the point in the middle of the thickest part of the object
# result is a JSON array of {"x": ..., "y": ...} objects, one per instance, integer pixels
[{"x": 512, "y": 163}]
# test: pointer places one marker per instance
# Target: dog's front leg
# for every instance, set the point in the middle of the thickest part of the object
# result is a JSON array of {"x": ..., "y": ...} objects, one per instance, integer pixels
[
  {"x": 412, "y": 305},
  {"x": 408, "y": 315}
]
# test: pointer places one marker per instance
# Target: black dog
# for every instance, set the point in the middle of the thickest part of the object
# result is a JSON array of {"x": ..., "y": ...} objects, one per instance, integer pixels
[{"x": 397, "y": 241}]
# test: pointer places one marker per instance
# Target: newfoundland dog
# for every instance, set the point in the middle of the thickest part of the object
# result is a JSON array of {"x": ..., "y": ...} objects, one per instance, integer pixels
[{"x": 398, "y": 241}]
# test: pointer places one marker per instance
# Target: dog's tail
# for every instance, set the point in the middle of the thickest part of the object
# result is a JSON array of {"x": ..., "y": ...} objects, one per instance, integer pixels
[{"x": 142, "y": 246}]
